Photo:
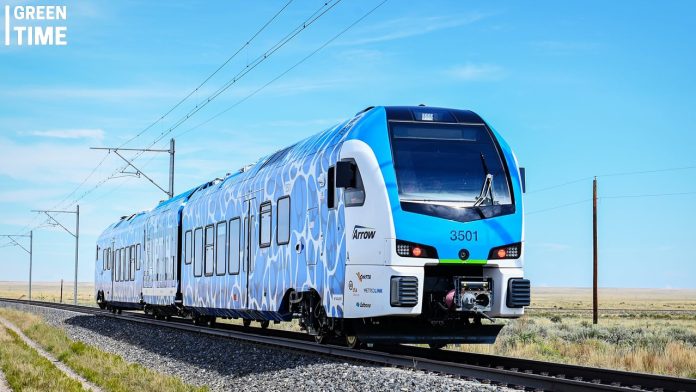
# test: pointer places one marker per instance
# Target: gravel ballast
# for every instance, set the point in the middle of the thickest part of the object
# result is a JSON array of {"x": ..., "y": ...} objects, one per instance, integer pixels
[{"x": 229, "y": 365}]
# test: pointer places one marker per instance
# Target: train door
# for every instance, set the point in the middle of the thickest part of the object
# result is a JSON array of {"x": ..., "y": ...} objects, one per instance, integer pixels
[{"x": 249, "y": 248}]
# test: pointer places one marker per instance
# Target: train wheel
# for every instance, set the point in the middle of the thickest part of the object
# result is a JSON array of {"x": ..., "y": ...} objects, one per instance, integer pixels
[
  {"x": 102, "y": 305},
  {"x": 352, "y": 341},
  {"x": 321, "y": 338},
  {"x": 210, "y": 321},
  {"x": 437, "y": 346},
  {"x": 265, "y": 324},
  {"x": 119, "y": 311},
  {"x": 246, "y": 322}
]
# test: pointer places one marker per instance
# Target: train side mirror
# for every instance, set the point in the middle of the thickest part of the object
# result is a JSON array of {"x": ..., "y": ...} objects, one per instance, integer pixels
[
  {"x": 523, "y": 179},
  {"x": 346, "y": 174}
]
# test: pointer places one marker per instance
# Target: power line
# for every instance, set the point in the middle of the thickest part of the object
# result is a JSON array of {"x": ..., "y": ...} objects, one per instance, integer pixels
[
  {"x": 558, "y": 207},
  {"x": 282, "y": 42},
  {"x": 326, "y": 7},
  {"x": 210, "y": 76},
  {"x": 325, "y": 44},
  {"x": 647, "y": 195},
  {"x": 239, "y": 50},
  {"x": 619, "y": 174}
]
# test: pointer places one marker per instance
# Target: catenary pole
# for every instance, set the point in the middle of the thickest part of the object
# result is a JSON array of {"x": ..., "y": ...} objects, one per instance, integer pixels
[
  {"x": 31, "y": 254},
  {"x": 77, "y": 244},
  {"x": 594, "y": 251},
  {"x": 171, "y": 168},
  {"x": 53, "y": 221}
]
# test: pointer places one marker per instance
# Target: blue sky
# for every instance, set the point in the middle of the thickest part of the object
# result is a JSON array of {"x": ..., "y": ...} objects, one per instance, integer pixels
[{"x": 578, "y": 89}]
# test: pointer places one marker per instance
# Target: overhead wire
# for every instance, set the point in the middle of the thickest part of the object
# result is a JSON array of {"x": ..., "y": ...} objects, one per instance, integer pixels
[
  {"x": 279, "y": 76},
  {"x": 208, "y": 78}
]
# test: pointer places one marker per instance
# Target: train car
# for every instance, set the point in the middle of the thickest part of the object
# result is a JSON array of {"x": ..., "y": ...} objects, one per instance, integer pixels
[{"x": 402, "y": 224}]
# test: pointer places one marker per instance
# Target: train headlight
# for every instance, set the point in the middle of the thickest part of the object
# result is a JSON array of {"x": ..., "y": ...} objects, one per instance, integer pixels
[
  {"x": 411, "y": 249},
  {"x": 512, "y": 251}
]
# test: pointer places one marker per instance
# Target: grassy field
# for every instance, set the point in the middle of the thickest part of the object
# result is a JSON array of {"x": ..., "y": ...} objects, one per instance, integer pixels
[
  {"x": 26, "y": 370},
  {"x": 610, "y": 298},
  {"x": 108, "y": 371},
  {"x": 49, "y": 291}
]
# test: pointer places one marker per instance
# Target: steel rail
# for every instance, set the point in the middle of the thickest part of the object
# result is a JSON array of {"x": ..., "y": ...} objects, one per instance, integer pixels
[{"x": 515, "y": 372}]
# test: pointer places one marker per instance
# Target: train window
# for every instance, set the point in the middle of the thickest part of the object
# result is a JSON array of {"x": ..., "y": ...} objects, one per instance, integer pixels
[
  {"x": 265, "y": 225},
  {"x": 105, "y": 255},
  {"x": 118, "y": 255},
  {"x": 234, "y": 253},
  {"x": 131, "y": 267},
  {"x": 172, "y": 270},
  {"x": 283, "y": 220},
  {"x": 355, "y": 195},
  {"x": 221, "y": 248},
  {"x": 97, "y": 257},
  {"x": 137, "y": 257},
  {"x": 124, "y": 257},
  {"x": 331, "y": 188},
  {"x": 198, "y": 252},
  {"x": 187, "y": 247},
  {"x": 209, "y": 250}
]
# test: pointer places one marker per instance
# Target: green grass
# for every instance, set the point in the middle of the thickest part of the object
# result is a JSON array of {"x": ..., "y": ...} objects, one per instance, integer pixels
[
  {"x": 26, "y": 370},
  {"x": 108, "y": 371}
]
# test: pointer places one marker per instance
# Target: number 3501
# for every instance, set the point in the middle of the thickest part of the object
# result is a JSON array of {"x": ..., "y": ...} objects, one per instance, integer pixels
[{"x": 464, "y": 235}]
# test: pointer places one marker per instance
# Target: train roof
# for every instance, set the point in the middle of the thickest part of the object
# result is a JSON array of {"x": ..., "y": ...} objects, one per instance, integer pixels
[{"x": 308, "y": 146}]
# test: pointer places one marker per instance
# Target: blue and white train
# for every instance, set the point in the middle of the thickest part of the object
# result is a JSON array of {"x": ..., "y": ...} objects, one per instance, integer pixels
[{"x": 402, "y": 224}]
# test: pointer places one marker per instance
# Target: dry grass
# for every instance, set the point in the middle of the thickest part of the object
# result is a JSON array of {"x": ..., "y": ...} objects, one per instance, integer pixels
[
  {"x": 26, "y": 370},
  {"x": 108, "y": 371},
  {"x": 610, "y": 298},
  {"x": 49, "y": 291},
  {"x": 660, "y": 346}
]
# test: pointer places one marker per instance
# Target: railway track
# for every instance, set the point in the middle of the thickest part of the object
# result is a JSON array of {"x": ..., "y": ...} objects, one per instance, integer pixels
[{"x": 497, "y": 370}]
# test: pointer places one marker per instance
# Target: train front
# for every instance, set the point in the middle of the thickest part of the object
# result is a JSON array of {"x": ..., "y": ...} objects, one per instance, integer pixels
[{"x": 434, "y": 227}]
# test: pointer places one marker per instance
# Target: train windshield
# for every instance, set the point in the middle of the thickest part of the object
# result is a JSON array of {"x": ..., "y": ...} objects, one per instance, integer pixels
[{"x": 451, "y": 165}]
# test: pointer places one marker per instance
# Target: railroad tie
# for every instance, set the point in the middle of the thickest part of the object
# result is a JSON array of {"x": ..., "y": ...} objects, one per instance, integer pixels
[{"x": 58, "y": 364}]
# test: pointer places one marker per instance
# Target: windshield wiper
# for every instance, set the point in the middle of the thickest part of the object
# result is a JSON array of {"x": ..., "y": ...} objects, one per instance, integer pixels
[{"x": 487, "y": 188}]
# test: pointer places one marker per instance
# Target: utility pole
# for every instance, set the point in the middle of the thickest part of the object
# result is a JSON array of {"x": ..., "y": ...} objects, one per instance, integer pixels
[
  {"x": 30, "y": 250},
  {"x": 53, "y": 221},
  {"x": 594, "y": 251},
  {"x": 138, "y": 172}
]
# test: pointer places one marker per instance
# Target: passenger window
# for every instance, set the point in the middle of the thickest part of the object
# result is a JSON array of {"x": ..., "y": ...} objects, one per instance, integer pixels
[
  {"x": 198, "y": 252},
  {"x": 221, "y": 248},
  {"x": 265, "y": 225},
  {"x": 331, "y": 188},
  {"x": 124, "y": 257},
  {"x": 137, "y": 257},
  {"x": 105, "y": 254},
  {"x": 132, "y": 262},
  {"x": 209, "y": 250},
  {"x": 234, "y": 253},
  {"x": 283, "y": 221},
  {"x": 187, "y": 247},
  {"x": 116, "y": 269}
]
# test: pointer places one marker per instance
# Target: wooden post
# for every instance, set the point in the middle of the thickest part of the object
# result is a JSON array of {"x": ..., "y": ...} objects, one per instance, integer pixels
[
  {"x": 594, "y": 251},
  {"x": 61, "y": 291}
]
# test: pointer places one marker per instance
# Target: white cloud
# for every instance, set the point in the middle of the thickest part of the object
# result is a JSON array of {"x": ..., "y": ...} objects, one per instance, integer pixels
[
  {"x": 412, "y": 26},
  {"x": 477, "y": 72},
  {"x": 97, "y": 134}
]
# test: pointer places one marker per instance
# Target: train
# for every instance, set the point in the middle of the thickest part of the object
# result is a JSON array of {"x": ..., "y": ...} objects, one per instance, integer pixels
[{"x": 402, "y": 224}]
